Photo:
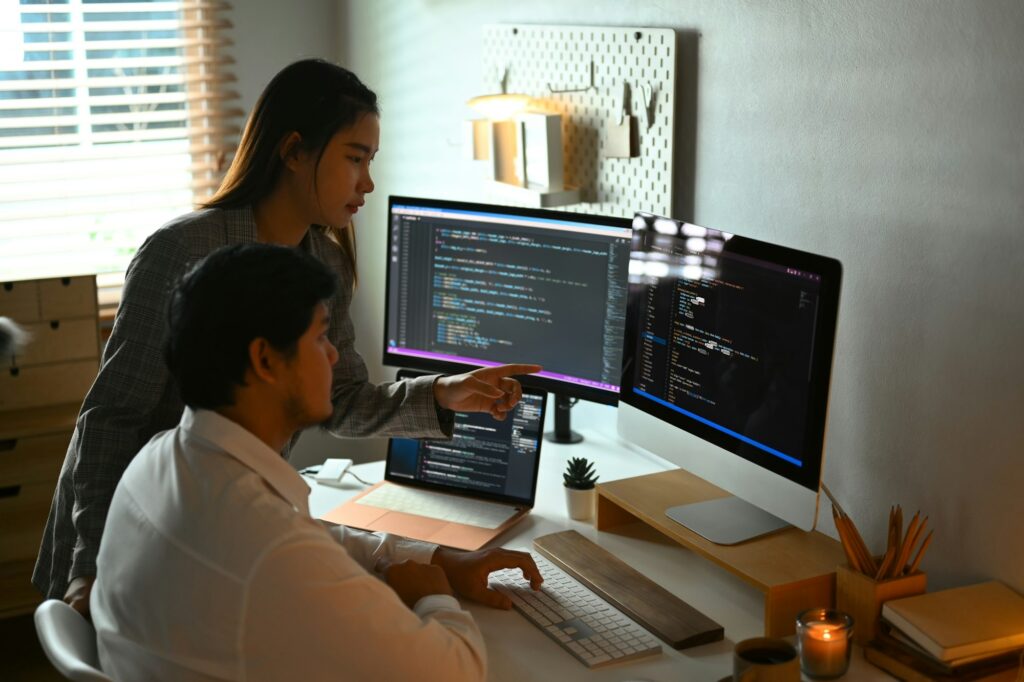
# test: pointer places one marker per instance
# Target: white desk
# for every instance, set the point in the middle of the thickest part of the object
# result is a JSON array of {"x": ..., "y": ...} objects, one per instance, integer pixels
[{"x": 518, "y": 651}]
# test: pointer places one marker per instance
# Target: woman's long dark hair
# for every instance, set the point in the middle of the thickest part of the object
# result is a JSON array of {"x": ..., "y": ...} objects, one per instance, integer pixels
[{"x": 313, "y": 98}]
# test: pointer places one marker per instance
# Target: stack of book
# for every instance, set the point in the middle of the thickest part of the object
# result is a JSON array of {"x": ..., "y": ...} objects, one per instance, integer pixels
[{"x": 966, "y": 633}]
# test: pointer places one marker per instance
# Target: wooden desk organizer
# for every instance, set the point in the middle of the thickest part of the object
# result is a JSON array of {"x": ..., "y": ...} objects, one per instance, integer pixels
[
  {"x": 795, "y": 570},
  {"x": 862, "y": 597},
  {"x": 649, "y": 604}
]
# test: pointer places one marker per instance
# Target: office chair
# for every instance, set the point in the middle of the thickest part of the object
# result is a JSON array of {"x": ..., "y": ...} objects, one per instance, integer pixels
[{"x": 69, "y": 641}]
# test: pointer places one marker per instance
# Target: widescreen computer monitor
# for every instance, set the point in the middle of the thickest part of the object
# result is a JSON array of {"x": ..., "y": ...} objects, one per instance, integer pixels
[
  {"x": 471, "y": 285},
  {"x": 726, "y": 365}
]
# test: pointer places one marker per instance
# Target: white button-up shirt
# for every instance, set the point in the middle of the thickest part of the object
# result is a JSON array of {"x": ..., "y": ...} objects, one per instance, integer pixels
[{"x": 212, "y": 568}]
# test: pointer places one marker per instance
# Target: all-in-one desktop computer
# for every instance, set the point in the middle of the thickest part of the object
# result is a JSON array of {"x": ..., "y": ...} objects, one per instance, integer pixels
[{"x": 727, "y": 358}]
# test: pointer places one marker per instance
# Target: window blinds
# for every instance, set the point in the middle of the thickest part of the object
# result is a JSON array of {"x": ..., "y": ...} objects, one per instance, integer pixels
[{"x": 114, "y": 118}]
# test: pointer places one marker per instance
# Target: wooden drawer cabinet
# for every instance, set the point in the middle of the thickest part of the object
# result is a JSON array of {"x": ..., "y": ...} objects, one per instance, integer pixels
[
  {"x": 32, "y": 458},
  {"x": 20, "y": 301},
  {"x": 40, "y": 385},
  {"x": 33, "y": 444},
  {"x": 48, "y": 299},
  {"x": 67, "y": 297},
  {"x": 23, "y": 510},
  {"x": 59, "y": 340},
  {"x": 41, "y": 391}
]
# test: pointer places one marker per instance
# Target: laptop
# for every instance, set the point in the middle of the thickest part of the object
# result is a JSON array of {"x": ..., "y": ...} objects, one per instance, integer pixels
[{"x": 462, "y": 492}]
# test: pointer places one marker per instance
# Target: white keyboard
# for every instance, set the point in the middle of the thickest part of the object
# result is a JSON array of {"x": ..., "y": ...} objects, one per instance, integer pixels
[
  {"x": 439, "y": 506},
  {"x": 582, "y": 623}
]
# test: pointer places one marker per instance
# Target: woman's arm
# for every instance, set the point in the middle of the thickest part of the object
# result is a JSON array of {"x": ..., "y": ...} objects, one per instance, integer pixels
[
  {"x": 402, "y": 408},
  {"x": 131, "y": 399},
  {"x": 362, "y": 409}
]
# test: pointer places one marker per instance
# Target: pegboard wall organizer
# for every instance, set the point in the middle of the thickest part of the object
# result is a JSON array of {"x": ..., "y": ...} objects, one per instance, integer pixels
[{"x": 578, "y": 72}]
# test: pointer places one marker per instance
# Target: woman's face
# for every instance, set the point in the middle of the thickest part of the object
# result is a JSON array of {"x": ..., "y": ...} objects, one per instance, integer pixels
[{"x": 343, "y": 177}]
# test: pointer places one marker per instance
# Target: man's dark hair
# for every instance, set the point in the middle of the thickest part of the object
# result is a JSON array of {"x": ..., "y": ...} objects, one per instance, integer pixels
[{"x": 235, "y": 295}]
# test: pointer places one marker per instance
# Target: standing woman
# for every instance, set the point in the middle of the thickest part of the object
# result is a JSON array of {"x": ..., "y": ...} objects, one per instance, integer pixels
[{"x": 301, "y": 172}]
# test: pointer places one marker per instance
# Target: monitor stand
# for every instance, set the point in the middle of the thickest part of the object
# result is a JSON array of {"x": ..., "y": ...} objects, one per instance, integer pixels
[
  {"x": 726, "y": 520},
  {"x": 563, "y": 432}
]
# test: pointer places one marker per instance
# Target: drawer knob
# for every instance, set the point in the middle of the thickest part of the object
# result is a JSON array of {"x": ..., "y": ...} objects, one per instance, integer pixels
[
  {"x": 10, "y": 491},
  {"x": 55, "y": 324},
  {"x": 66, "y": 281},
  {"x": 8, "y": 286},
  {"x": 8, "y": 444},
  {"x": 15, "y": 371}
]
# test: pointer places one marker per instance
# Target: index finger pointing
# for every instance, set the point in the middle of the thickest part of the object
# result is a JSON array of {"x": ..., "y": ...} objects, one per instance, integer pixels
[{"x": 509, "y": 370}]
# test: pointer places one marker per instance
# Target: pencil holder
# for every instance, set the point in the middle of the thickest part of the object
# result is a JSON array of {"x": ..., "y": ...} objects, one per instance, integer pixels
[{"x": 862, "y": 597}]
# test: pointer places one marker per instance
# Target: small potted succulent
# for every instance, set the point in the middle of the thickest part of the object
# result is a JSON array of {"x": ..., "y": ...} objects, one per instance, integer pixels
[{"x": 580, "y": 496}]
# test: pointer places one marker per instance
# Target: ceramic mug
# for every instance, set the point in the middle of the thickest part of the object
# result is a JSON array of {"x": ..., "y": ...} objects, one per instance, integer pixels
[{"x": 763, "y": 659}]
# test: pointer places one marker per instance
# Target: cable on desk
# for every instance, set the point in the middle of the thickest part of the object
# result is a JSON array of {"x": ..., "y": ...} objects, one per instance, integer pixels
[
  {"x": 353, "y": 474},
  {"x": 314, "y": 469}
]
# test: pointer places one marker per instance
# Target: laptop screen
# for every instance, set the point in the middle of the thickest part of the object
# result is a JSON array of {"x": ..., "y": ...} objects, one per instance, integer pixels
[{"x": 487, "y": 458}]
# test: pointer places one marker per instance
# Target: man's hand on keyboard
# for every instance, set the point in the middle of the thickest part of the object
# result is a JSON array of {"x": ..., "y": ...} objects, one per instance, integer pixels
[{"x": 468, "y": 571}]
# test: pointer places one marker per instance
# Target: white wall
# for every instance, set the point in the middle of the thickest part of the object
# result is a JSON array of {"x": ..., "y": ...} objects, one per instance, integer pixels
[
  {"x": 886, "y": 134},
  {"x": 268, "y": 35}
]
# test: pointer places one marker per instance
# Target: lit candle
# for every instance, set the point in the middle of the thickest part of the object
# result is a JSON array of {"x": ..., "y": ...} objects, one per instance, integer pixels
[{"x": 823, "y": 638}]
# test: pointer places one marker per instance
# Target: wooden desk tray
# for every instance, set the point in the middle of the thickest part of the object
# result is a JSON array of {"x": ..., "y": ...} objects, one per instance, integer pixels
[
  {"x": 794, "y": 569},
  {"x": 655, "y": 608}
]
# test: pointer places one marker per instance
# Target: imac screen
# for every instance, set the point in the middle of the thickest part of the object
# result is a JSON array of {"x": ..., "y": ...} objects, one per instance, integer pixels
[{"x": 731, "y": 339}]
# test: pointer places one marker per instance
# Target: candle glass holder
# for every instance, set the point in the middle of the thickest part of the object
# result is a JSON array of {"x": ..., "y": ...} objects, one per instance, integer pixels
[{"x": 823, "y": 639}]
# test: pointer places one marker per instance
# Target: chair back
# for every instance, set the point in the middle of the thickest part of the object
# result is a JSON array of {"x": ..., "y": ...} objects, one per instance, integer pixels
[{"x": 69, "y": 641}]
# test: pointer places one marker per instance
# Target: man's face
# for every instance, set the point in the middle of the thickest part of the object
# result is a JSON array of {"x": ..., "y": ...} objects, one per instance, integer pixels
[{"x": 308, "y": 386}]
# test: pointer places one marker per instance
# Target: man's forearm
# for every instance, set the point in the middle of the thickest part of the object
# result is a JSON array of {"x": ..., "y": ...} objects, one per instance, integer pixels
[{"x": 367, "y": 548}]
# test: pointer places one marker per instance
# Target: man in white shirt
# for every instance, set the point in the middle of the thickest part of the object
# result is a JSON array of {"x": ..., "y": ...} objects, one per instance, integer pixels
[{"x": 211, "y": 567}]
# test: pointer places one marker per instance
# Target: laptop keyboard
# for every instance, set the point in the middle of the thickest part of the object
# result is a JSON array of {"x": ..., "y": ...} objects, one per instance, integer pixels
[
  {"x": 439, "y": 506},
  {"x": 582, "y": 623}
]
